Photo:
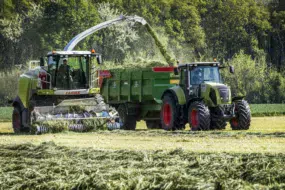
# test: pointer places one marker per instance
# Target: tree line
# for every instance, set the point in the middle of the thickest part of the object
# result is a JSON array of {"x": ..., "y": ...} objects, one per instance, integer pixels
[{"x": 196, "y": 30}]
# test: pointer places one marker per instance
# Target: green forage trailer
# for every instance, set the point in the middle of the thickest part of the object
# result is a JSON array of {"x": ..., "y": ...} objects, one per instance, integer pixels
[
  {"x": 136, "y": 93},
  {"x": 170, "y": 97}
]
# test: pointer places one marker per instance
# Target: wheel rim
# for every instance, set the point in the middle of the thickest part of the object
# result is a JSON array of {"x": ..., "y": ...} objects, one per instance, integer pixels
[
  {"x": 16, "y": 121},
  {"x": 167, "y": 114},
  {"x": 194, "y": 118},
  {"x": 235, "y": 122}
]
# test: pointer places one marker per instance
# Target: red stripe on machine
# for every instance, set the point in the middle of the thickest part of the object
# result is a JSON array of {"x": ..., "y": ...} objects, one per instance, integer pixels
[{"x": 163, "y": 69}]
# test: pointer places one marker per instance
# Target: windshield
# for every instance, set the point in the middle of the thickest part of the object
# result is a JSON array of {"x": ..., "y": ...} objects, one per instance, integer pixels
[
  {"x": 69, "y": 72},
  {"x": 205, "y": 73}
]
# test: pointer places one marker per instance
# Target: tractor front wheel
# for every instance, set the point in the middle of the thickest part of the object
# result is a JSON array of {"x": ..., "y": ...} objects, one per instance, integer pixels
[
  {"x": 129, "y": 121},
  {"x": 199, "y": 116},
  {"x": 243, "y": 117},
  {"x": 17, "y": 120}
]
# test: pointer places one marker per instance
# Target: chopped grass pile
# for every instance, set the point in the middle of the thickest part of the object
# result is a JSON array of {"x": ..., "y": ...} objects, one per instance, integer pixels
[{"x": 48, "y": 166}]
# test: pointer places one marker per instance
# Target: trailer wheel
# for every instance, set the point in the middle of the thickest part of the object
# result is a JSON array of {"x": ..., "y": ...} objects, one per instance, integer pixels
[
  {"x": 129, "y": 121},
  {"x": 169, "y": 114},
  {"x": 243, "y": 117},
  {"x": 153, "y": 124},
  {"x": 199, "y": 116},
  {"x": 16, "y": 120}
]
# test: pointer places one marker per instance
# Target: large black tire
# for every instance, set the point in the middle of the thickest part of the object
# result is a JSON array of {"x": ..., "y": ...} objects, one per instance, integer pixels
[
  {"x": 170, "y": 114},
  {"x": 129, "y": 121},
  {"x": 199, "y": 116},
  {"x": 153, "y": 124},
  {"x": 243, "y": 116},
  {"x": 218, "y": 124},
  {"x": 17, "y": 120}
]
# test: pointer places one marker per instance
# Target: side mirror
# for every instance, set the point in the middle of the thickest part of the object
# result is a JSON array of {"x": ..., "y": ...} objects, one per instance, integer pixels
[
  {"x": 232, "y": 69},
  {"x": 99, "y": 59},
  {"x": 176, "y": 72},
  {"x": 42, "y": 62}
]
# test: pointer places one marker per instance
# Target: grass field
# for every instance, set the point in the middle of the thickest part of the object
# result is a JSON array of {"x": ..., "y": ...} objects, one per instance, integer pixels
[
  {"x": 146, "y": 159},
  {"x": 267, "y": 109},
  {"x": 6, "y": 114}
]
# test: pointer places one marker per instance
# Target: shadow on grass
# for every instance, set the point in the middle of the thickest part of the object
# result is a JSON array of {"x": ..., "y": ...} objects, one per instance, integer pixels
[{"x": 160, "y": 132}]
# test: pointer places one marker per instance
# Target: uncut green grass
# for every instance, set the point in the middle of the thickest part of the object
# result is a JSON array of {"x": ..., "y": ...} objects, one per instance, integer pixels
[
  {"x": 49, "y": 166},
  {"x": 267, "y": 109},
  {"x": 6, "y": 114}
]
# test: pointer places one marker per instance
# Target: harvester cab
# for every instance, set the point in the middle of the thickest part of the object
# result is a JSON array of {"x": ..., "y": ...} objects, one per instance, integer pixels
[
  {"x": 203, "y": 101},
  {"x": 70, "y": 70}
]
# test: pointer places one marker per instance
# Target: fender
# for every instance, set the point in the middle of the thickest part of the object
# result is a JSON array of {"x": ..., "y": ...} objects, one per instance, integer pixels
[
  {"x": 194, "y": 100},
  {"x": 237, "y": 98},
  {"x": 177, "y": 93},
  {"x": 18, "y": 102},
  {"x": 23, "y": 111}
]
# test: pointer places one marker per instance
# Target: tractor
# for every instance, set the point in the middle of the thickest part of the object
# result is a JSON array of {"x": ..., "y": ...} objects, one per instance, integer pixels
[{"x": 202, "y": 100}]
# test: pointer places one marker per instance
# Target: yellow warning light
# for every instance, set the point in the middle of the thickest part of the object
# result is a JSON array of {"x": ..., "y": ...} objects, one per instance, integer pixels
[
  {"x": 93, "y": 51},
  {"x": 215, "y": 59}
]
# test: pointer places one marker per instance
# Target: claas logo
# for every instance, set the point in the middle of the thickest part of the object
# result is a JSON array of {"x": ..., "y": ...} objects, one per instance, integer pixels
[{"x": 73, "y": 93}]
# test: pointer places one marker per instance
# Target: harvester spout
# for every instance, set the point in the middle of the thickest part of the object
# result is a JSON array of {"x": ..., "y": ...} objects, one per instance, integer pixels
[
  {"x": 100, "y": 26},
  {"x": 82, "y": 35}
]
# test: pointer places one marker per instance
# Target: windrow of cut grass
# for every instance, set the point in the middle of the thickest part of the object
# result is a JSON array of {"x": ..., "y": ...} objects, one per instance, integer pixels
[{"x": 49, "y": 166}]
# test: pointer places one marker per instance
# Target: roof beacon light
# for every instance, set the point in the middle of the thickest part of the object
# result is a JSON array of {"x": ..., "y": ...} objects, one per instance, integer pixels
[
  {"x": 215, "y": 59},
  {"x": 93, "y": 51}
]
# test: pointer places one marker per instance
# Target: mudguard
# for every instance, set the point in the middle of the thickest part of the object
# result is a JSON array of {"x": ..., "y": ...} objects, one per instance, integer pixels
[
  {"x": 17, "y": 102},
  {"x": 177, "y": 93},
  {"x": 237, "y": 98}
]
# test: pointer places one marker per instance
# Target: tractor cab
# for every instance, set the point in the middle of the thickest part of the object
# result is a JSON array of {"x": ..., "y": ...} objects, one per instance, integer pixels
[
  {"x": 68, "y": 70},
  {"x": 203, "y": 80}
]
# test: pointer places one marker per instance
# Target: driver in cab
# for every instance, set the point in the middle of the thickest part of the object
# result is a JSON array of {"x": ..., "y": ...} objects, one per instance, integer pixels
[{"x": 64, "y": 75}]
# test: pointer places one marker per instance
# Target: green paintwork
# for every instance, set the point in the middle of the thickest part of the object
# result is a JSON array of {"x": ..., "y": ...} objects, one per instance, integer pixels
[
  {"x": 94, "y": 90},
  {"x": 136, "y": 86},
  {"x": 45, "y": 92},
  {"x": 139, "y": 88},
  {"x": 179, "y": 94},
  {"x": 27, "y": 82},
  {"x": 205, "y": 91}
]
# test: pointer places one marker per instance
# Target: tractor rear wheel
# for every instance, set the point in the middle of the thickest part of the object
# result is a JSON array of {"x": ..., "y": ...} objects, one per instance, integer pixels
[
  {"x": 153, "y": 124},
  {"x": 199, "y": 116},
  {"x": 17, "y": 120},
  {"x": 129, "y": 121},
  {"x": 169, "y": 114},
  {"x": 243, "y": 117}
]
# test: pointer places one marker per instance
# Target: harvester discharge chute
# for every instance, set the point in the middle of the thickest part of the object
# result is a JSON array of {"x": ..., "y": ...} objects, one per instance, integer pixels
[{"x": 65, "y": 93}]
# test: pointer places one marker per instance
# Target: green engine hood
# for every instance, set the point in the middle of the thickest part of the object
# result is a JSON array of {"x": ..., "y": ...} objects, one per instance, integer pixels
[{"x": 215, "y": 94}]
